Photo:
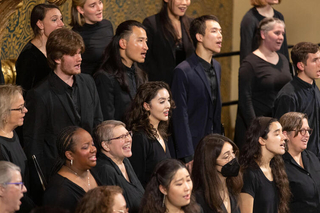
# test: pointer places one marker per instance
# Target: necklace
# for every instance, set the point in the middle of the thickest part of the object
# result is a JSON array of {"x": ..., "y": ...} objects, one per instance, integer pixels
[{"x": 88, "y": 176}]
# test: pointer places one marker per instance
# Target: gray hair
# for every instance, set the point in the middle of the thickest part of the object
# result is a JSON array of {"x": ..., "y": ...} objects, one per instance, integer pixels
[
  {"x": 268, "y": 24},
  {"x": 6, "y": 169}
]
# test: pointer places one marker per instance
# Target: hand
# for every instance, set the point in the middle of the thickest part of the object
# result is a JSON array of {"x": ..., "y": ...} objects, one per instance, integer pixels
[{"x": 189, "y": 166}]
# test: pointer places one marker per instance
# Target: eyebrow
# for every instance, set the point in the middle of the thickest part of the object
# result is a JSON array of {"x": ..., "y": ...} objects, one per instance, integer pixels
[{"x": 277, "y": 130}]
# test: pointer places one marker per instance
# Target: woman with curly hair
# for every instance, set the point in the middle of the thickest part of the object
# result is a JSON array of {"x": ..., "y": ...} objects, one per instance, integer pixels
[
  {"x": 215, "y": 174},
  {"x": 148, "y": 119},
  {"x": 265, "y": 183},
  {"x": 169, "y": 190}
]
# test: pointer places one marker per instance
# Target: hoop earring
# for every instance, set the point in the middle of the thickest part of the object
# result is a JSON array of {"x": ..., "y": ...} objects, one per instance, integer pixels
[
  {"x": 164, "y": 198},
  {"x": 71, "y": 162}
]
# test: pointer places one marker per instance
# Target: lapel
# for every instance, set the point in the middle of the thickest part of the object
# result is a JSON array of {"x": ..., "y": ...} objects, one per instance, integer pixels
[{"x": 59, "y": 91}]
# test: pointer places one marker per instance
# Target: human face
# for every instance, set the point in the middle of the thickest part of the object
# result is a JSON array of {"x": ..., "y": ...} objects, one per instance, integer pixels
[
  {"x": 12, "y": 193},
  {"x": 177, "y": 8},
  {"x": 135, "y": 47},
  {"x": 310, "y": 70},
  {"x": 119, "y": 148},
  {"x": 119, "y": 204},
  {"x": 52, "y": 21},
  {"x": 159, "y": 107},
  {"x": 212, "y": 39},
  {"x": 179, "y": 190},
  {"x": 275, "y": 143},
  {"x": 84, "y": 153},
  {"x": 70, "y": 64},
  {"x": 226, "y": 155},
  {"x": 91, "y": 11},
  {"x": 272, "y": 2},
  {"x": 296, "y": 144},
  {"x": 16, "y": 116},
  {"x": 273, "y": 39}
]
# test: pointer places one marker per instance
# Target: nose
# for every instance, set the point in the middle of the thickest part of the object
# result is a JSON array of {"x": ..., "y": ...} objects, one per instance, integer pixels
[
  {"x": 168, "y": 105},
  {"x": 187, "y": 186},
  {"x": 145, "y": 46},
  {"x": 24, "y": 188},
  {"x": 60, "y": 23},
  {"x": 93, "y": 148},
  {"x": 283, "y": 137},
  {"x": 79, "y": 58},
  {"x": 100, "y": 6},
  {"x": 25, "y": 110}
]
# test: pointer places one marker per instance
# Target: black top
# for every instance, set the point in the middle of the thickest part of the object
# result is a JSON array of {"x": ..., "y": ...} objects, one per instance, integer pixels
[
  {"x": 263, "y": 191},
  {"x": 259, "y": 84},
  {"x": 11, "y": 150},
  {"x": 31, "y": 66},
  {"x": 304, "y": 182},
  {"x": 63, "y": 193},
  {"x": 110, "y": 174},
  {"x": 249, "y": 35},
  {"x": 300, "y": 96},
  {"x": 146, "y": 154},
  {"x": 114, "y": 100},
  {"x": 206, "y": 208},
  {"x": 96, "y": 38}
]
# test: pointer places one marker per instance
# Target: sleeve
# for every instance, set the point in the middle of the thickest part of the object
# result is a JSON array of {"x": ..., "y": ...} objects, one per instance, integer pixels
[
  {"x": 250, "y": 184},
  {"x": 105, "y": 88},
  {"x": 245, "y": 107},
  {"x": 26, "y": 66},
  {"x": 247, "y": 30},
  {"x": 180, "y": 118},
  {"x": 138, "y": 159},
  {"x": 283, "y": 104}
]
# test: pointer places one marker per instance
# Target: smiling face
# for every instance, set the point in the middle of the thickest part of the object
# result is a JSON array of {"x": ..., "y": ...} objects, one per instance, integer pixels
[
  {"x": 274, "y": 143},
  {"x": 69, "y": 64},
  {"x": 212, "y": 39},
  {"x": 12, "y": 193},
  {"x": 297, "y": 144},
  {"x": 134, "y": 48},
  {"x": 311, "y": 69},
  {"x": 84, "y": 152},
  {"x": 52, "y": 21},
  {"x": 273, "y": 39},
  {"x": 177, "y": 8},
  {"x": 226, "y": 155},
  {"x": 178, "y": 193},
  {"x": 16, "y": 117},
  {"x": 159, "y": 107},
  {"x": 91, "y": 11}
]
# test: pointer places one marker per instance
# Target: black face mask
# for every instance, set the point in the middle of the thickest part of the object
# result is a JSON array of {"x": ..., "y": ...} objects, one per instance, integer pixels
[{"x": 231, "y": 169}]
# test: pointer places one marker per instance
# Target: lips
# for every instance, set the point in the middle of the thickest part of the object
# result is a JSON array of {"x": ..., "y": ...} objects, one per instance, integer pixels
[
  {"x": 166, "y": 113},
  {"x": 127, "y": 147},
  {"x": 144, "y": 54},
  {"x": 187, "y": 197},
  {"x": 93, "y": 158},
  {"x": 219, "y": 43}
]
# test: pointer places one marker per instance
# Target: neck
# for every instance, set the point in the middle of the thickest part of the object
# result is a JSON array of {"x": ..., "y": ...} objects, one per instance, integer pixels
[
  {"x": 116, "y": 160},
  {"x": 78, "y": 172},
  {"x": 7, "y": 131},
  {"x": 266, "y": 52},
  {"x": 171, "y": 208},
  {"x": 303, "y": 77},
  {"x": 68, "y": 79},
  {"x": 173, "y": 18},
  {"x": 266, "y": 157},
  {"x": 295, "y": 154},
  {"x": 204, "y": 54},
  {"x": 155, "y": 124},
  {"x": 40, "y": 42},
  {"x": 266, "y": 11}
]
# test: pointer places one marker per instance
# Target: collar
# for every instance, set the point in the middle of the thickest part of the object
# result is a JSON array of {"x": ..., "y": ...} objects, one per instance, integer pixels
[
  {"x": 304, "y": 84},
  {"x": 205, "y": 64}
]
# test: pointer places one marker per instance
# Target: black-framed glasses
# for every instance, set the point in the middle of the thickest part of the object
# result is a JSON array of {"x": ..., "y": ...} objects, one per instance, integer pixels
[
  {"x": 21, "y": 184},
  {"x": 20, "y": 108},
  {"x": 303, "y": 132},
  {"x": 122, "y": 137}
]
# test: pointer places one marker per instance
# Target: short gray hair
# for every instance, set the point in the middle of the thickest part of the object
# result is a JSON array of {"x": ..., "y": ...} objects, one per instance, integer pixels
[{"x": 6, "y": 169}]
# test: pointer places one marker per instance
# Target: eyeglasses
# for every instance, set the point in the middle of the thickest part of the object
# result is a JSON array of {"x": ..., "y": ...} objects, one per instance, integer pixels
[
  {"x": 304, "y": 131},
  {"x": 122, "y": 137},
  {"x": 20, "y": 108},
  {"x": 122, "y": 211},
  {"x": 17, "y": 184}
]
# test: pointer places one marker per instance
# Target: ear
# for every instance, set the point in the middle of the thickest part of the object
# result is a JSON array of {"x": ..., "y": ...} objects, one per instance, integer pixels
[
  {"x": 262, "y": 141},
  {"x": 2, "y": 189},
  {"x": 300, "y": 66},
  {"x": 199, "y": 37},
  {"x": 40, "y": 24},
  {"x": 146, "y": 106},
  {"x": 105, "y": 146},
  {"x": 263, "y": 35},
  {"x": 58, "y": 61},
  {"x": 80, "y": 10},
  {"x": 123, "y": 43},
  {"x": 68, "y": 155},
  {"x": 163, "y": 190}
]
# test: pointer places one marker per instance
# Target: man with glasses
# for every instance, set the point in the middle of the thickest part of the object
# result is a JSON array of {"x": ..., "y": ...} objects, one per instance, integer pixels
[
  {"x": 302, "y": 94},
  {"x": 113, "y": 142}
]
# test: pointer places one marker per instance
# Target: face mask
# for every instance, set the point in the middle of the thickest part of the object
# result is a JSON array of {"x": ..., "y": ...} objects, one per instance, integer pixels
[{"x": 231, "y": 169}]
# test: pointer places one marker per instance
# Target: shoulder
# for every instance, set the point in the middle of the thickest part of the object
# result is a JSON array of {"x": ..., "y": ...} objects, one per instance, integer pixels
[
  {"x": 277, "y": 14},
  {"x": 250, "y": 17},
  {"x": 150, "y": 21},
  {"x": 106, "y": 22},
  {"x": 85, "y": 79}
]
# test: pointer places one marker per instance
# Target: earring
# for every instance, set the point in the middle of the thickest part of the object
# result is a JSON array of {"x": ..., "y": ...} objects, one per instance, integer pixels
[
  {"x": 164, "y": 197},
  {"x": 71, "y": 162}
]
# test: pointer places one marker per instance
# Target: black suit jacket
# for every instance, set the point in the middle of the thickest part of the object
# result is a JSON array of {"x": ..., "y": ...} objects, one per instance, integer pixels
[
  {"x": 50, "y": 111},
  {"x": 195, "y": 115},
  {"x": 161, "y": 59}
]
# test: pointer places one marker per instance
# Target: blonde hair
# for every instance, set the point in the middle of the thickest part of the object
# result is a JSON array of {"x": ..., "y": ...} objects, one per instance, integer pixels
[{"x": 76, "y": 18}]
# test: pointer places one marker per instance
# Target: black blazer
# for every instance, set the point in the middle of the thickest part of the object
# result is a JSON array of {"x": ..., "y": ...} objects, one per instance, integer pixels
[
  {"x": 50, "y": 111},
  {"x": 195, "y": 115},
  {"x": 161, "y": 59}
]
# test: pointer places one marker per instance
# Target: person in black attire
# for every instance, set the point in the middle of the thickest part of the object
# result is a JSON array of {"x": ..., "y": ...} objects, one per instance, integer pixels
[
  {"x": 302, "y": 166},
  {"x": 148, "y": 118},
  {"x": 32, "y": 66},
  {"x": 302, "y": 94},
  {"x": 113, "y": 142},
  {"x": 119, "y": 76},
  {"x": 265, "y": 183},
  {"x": 72, "y": 176},
  {"x": 87, "y": 20},
  {"x": 65, "y": 98},
  {"x": 169, "y": 40}
]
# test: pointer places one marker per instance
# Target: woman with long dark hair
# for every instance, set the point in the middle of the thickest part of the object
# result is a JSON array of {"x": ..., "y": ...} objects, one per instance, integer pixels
[
  {"x": 87, "y": 20},
  {"x": 148, "y": 119},
  {"x": 119, "y": 77},
  {"x": 215, "y": 174},
  {"x": 169, "y": 40},
  {"x": 169, "y": 190},
  {"x": 265, "y": 183}
]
